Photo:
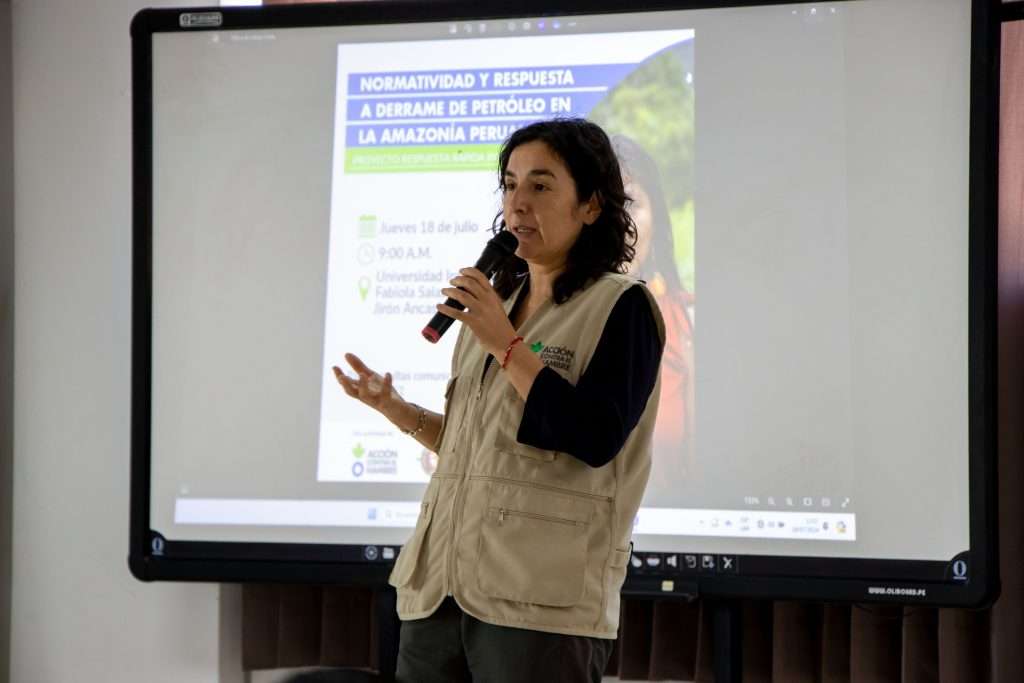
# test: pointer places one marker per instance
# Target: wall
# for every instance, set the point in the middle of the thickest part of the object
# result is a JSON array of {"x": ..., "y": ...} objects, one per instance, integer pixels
[
  {"x": 77, "y": 614},
  {"x": 6, "y": 333}
]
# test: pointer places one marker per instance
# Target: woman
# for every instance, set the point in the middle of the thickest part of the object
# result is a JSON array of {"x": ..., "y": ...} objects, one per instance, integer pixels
[
  {"x": 655, "y": 264},
  {"x": 514, "y": 569}
]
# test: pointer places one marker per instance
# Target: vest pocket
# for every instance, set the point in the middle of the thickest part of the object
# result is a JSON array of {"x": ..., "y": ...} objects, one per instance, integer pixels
[
  {"x": 532, "y": 557},
  {"x": 408, "y": 558},
  {"x": 505, "y": 435},
  {"x": 502, "y": 442},
  {"x": 620, "y": 557}
]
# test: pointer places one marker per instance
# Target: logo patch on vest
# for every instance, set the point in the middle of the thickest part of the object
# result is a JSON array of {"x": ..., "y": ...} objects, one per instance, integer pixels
[{"x": 557, "y": 357}]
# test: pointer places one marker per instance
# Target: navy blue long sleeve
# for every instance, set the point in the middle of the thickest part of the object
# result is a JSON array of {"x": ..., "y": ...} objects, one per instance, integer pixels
[{"x": 592, "y": 420}]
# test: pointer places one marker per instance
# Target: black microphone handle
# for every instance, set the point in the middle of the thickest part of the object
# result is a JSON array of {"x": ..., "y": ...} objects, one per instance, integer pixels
[
  {"x": 440, "y": 323},
  {"x": 495, "y": 253}
]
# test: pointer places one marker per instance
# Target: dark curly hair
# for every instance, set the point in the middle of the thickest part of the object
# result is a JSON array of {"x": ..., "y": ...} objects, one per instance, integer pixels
[
  {"x": 605, "y": 246},
  {"x": 638, "y": 165}
]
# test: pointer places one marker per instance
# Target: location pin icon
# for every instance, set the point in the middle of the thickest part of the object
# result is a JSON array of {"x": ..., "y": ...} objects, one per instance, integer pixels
[{"x": 364, "y": 287}]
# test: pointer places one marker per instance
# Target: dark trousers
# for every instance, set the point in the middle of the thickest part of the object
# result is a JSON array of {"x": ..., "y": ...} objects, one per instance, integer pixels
[{"x": 450, "y": 646}]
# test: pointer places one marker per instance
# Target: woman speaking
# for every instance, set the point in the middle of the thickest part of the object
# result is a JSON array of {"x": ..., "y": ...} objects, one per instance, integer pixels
[{"x": 513, "y": 571}]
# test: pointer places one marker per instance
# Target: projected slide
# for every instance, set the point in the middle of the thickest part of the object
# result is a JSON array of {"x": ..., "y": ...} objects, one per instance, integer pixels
[
  {"x": 821, "y": 370},
  {"x": 417, "y": 132}
]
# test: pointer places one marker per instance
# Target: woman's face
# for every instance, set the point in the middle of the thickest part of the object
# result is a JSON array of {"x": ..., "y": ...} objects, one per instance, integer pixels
[
  {"x": 640, "y": 210},
  {"x": 540, "y": 206}
]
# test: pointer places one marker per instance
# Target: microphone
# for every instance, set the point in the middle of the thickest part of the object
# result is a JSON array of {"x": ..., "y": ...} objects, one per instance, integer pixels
[{"x": 498, "y": 249}]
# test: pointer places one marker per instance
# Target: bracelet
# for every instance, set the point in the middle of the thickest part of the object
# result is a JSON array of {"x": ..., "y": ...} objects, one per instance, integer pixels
[
  {"x": 508, "y": 351},
  {"x": 421, "y": 422}
]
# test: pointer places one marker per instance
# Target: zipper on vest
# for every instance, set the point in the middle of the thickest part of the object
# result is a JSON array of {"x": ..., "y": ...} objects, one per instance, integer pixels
[
  {"x": 542, "y": 487},
  {"x": 456, "y": 508},
  {"x": 449, "y": 572},
  {"x": 505, "y": 512},
  {"x": 483, "y": 379}
]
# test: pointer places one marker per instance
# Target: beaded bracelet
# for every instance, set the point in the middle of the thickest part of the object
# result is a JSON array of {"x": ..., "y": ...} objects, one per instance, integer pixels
[
  {"x": 421, "y": 422},
  {"x": 508, "y": 351}
]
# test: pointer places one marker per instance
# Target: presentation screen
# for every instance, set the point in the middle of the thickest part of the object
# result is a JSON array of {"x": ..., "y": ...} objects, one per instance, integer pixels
[{"x": 307, "y": 179}]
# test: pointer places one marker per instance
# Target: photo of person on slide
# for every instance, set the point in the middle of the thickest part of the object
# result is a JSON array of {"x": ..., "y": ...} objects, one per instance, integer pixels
[
  {"x": 514, "y": 569},
  {"x": 654, "y": 263}
]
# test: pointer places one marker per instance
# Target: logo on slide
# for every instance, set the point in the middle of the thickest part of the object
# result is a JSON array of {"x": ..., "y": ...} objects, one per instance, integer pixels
[
  {"x": 357, "y": 469},
  {"x": 358, "y": 451}
]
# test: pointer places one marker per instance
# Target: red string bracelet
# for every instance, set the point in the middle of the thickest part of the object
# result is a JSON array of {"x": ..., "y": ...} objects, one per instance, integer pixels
[{"x": 508, "y": 351}]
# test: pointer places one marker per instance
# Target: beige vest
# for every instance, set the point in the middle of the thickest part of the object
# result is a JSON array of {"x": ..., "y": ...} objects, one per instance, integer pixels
[{"x": 521, "y": 536}]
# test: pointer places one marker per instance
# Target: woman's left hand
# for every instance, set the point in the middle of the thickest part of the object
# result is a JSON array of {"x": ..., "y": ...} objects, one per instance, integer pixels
[{"x": 485, "y": 313}]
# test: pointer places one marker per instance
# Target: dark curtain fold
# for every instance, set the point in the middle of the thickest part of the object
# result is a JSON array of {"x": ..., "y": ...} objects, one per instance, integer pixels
[
  {"x": 289, "y": 626},
  {"x": 285, "y": 626},
  {"x": 797, "y": 642},
  {"x": 674, "y": 641},
  {"x": 1007, "y": 617},
  {"x": 835, "y": 643}
]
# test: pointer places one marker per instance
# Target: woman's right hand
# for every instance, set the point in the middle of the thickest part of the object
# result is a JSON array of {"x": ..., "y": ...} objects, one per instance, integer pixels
[{"x": 370, "y": 387}]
